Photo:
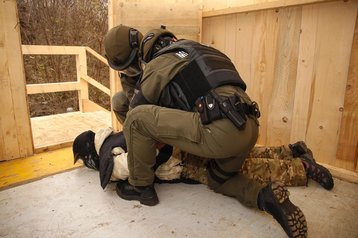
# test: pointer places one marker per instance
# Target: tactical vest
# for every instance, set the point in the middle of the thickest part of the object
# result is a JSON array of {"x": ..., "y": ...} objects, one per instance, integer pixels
[{"x": 207, "y": 69}]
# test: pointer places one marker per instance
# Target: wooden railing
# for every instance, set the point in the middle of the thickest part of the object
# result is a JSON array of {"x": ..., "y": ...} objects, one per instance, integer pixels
[{"x": 81, "y": 85}]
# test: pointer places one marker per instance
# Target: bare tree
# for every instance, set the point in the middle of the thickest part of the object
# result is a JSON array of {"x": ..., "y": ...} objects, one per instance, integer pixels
[{"x": 62, "y": 22}]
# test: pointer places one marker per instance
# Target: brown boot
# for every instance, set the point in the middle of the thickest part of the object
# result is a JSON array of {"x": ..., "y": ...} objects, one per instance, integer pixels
[{"x": 274, "y": 200}]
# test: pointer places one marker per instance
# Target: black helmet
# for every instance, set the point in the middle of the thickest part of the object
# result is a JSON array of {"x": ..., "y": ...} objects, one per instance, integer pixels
[
  {"x": 153, "y": 41},
  {"x": 121, "y": 45},
  {"x": 84, "y": 149}
]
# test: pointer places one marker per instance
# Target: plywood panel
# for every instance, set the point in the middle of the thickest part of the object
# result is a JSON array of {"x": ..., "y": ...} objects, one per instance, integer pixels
[
  {"x": 244, "y": 46},
  {"x": 215, "y": 8},
  {"x": 335, "y": 29},
  {"x": 15, "y": 123},
  {"x": 347, "y": 152},
  {"x": 281, "y": 104},
  {"x": 264, "y": 49},
  {"x": 180, "y": 16},
  {"x": 295, "y": 62},
  {"x": 305, "y": 74}
]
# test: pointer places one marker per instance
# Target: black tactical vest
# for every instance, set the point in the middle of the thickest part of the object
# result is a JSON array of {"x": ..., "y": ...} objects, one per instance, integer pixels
[{"x": 207, "y": 69}]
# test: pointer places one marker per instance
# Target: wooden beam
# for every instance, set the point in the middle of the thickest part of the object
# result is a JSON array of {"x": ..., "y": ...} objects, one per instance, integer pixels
[
  {"x": 90, "y": 106},
  {"x": 52, "y": 87},
  {"x": 343, "y": 174},
  {"x": 51, "y": 50},
  {"x": 15, "y": 127},
  {"x": 261, "y": 6},
  {"x": 96, "y": 84},
  {"x": 98, "y": 56}
]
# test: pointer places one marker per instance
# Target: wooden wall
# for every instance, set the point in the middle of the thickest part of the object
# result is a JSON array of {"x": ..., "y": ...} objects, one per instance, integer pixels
[
  {"x": 300, "y": 65},
  {"x": 15, "y": 129}
]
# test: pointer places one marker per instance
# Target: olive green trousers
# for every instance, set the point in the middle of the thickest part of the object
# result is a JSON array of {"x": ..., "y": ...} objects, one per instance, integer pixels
[{"x": 146, "y": 125}]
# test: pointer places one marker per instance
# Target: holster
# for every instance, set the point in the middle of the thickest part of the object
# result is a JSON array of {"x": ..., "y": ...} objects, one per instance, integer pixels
[{"x": 212, "y": 107}]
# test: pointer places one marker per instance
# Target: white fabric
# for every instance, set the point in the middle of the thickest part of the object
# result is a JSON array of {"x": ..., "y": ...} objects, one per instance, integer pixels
[
  {"x": 120, "y": 169},
  {"x": 100, "y": 136},
  {"x": 170, "y": 170}
]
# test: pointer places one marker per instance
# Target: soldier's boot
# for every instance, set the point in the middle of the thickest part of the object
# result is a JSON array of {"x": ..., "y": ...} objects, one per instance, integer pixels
[
  {"x": 299, "y": 148},
  {"x": 274, "y": 199},
  {"x": 144, "y": 194},
  {"x": 314, "y": 170},
  {"x": 317, "y": 172}
]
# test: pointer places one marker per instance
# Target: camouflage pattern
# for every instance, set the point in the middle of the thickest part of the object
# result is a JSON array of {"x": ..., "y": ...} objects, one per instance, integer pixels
[
  {"x": 289, "y": 172},
  {"x": 263, "y": 164},
  {"x": 275, "y": 164}
]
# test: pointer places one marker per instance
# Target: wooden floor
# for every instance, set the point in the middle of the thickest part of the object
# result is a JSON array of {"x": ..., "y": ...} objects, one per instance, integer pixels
[{"x": 58, "y": 131}]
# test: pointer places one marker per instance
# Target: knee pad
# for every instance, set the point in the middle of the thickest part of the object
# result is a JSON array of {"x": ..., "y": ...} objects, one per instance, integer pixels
[{"x": 218, "y": 174}]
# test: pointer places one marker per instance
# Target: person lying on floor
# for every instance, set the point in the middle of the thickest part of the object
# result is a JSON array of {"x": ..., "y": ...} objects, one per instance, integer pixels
[
  {"x": 290, "y": 165},
  {"x": 105, "y": 152}
]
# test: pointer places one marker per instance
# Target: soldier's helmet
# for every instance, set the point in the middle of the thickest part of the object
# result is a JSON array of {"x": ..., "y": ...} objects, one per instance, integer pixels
[
  {"x": 84, "y": 149},
  {"x": 121, "y": 45},
  {"x": 155, "y": 40}
]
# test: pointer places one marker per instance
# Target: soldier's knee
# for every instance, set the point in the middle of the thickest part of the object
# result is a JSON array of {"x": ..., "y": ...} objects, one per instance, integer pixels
[{"x": 120, "y": 102}]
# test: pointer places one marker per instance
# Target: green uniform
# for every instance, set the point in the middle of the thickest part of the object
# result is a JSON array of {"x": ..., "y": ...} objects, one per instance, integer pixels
[
  {"x": 120, "y": 100},
  {"x": 221, "y": 140}
]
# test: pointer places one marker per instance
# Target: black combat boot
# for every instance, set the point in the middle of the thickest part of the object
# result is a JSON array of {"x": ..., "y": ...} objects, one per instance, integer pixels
[
  {"x": 299, "y": 148},
  {"x": 274, "y": 200},
  {"x": 145, "y": 194},
  {"x": 317, "y": 172},
  {"x": 313, "y": 170}
]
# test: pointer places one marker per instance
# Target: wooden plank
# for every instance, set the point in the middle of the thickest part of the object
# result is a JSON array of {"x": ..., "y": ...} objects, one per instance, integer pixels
[
  {"x": 65, "y": 127},
  {"x": 96, "y": 84},
  {"x": 281, "y": 103},
  {"x": 305, "y": 73},
  {"x": 264, "y": 48},
  {"x": 51, "y": 50},
  {"x": 230, "y": 36},
  {"x": 81, "y": 69},
  {"x": 183, "y": 21},
  {"x": 52, "y": 87},
  {"x": 245, "y": 27},
  {"x": 241, "y": 7},
  {"x": 90, "y": 106},
  {"x": 98, "y": 56},
  {"x": 335, "y": 30},
  {"x": 218, "y": 33},
  {"x": 35, "y": 167},
  {"x": 15, "y": 123},
  {"x": 347, "y": 152},
  {"x": 343, "y": 174}
]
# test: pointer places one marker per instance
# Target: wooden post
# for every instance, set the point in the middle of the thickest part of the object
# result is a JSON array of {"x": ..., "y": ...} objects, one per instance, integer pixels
[
  {"x": 81, "y": 66},
  {"x": 15, "y": 129}
]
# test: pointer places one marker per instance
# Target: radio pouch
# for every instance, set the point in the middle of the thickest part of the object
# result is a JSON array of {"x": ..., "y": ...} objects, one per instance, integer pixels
[{"x": 208, "y": 109}]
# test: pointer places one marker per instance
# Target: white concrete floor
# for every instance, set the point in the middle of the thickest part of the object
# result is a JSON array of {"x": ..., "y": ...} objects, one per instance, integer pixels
[{"x": 72, "y": 204}]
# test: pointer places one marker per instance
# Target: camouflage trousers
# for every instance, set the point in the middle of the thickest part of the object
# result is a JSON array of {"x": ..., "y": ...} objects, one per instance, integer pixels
[{"x": 263, "y": 164}]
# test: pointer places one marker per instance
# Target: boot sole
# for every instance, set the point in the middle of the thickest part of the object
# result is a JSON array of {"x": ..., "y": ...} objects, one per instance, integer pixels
[
  {"x": 290, "y": 217},
  {"x": 319, "y": 179}
]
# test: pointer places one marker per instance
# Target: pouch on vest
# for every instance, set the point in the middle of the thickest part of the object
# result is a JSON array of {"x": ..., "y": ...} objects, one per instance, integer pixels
[
  {"x": 208, "y": 109},
  {"x": 233, "y": 109}
]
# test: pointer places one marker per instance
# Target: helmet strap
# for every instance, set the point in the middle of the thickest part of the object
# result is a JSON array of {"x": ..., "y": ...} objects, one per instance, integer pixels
[{"x": 133, "y": 38}]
